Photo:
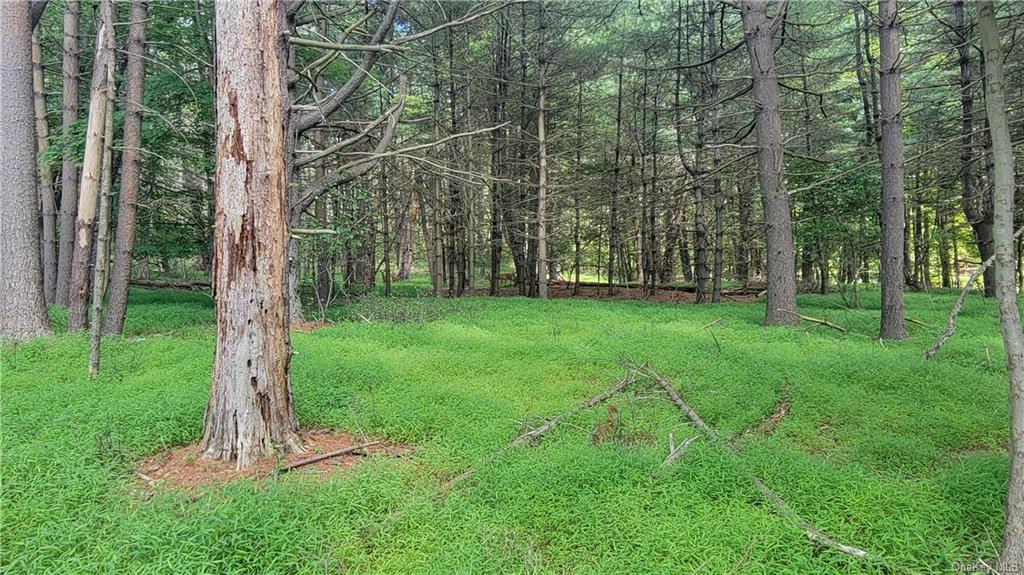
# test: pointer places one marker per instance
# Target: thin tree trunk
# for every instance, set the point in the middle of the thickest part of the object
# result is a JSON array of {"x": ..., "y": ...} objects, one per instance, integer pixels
[
  {"x": 716, "y": 155},
  {"x": 613, "y": 227},
  {"x": 69, "y": 169},
  {"x": 22, "y": 306},
  {"x": 1012, "y": 557},
  {"x": 577, "y": 247},
  {"x": 131, "y": 168},
  {"x": 542, "y": 171},
  {"x": 49, "y": 208},
  {"x": 758, "y": 30},
  {"x": 893, "y": 212},
  {"x": 250, "y": 413},
  {"x": 976, "y": 203},
  {"x": 100, "y": 92},
  {"x": 102, "y": 259}
]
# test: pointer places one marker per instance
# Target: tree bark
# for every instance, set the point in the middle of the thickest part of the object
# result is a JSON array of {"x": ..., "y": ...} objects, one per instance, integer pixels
[
  {"x": 613, "y": 224},
  {"x": 893, "y": 205},
  {"x": 89, "y": 188},
  {"x": 49, "y": 208},
  {"x": 102, "y": 259},
  {"x": 542, "y": 170},
  {"x": 131, "y": 163},
  {"x": 22, "y": 307},
  {"x": 781, "y": 265},
  {"x": 1012, "y": 557},
  {"x": 69, "y": 168},
  {"x": 250, "y": 413},
  {"x": 976, "y": 203}
]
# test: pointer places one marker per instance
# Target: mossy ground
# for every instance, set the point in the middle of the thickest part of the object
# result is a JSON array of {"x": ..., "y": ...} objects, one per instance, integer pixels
[{"x": 883, "y": 450}]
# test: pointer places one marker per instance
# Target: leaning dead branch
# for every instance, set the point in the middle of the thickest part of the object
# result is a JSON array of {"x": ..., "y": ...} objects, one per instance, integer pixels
[
  {"x": 953, "y": 313},
  {"x": 812, "y": 532}
]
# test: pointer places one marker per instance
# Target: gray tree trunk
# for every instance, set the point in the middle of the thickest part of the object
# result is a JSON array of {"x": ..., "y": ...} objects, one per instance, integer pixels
[
  {"x": 1012, "y": 558},
  {"x": 22, "y": 309},
  {"x": 250, "y": 413},
  {"x": 893, "y": 209},
  {"x": 976, "y": 203},
  {"x": 102, "y": 259},
  {"x": 99, "y": 93},
  {"x": 49, "y": 208},
  {"x": 131, "y": 162},
  {"x": 542, "y": 169},
  {"x": 778, "y": 226},
  {"x": 69, "y": 168}
]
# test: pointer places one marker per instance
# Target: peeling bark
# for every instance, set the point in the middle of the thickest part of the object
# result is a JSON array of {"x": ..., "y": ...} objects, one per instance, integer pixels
[{"x": 250, "y": 413}]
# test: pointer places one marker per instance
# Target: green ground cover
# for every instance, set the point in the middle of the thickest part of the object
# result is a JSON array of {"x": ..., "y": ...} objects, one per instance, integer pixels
[{"x": 883, "y": 450}]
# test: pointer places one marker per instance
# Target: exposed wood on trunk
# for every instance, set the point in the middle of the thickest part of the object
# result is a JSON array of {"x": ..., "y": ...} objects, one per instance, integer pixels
[
  {"x": 89, "y": 188},
  {"x": 101, "y": 266},
  {"x": 250, "y": 414}
]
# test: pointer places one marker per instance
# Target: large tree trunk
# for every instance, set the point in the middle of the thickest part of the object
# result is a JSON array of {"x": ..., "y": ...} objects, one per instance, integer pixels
[
  {"x": 22, "y": 309},
  {"x": 1012, "y": 558},
  {"x": 893, "y": 213},
  {"x": 89, "y": 189},
  {"x": 69, "y": 168},
  {"x": 250, "y": 413},
  {"x": 135, "y": 75},
  {"x": 778, "y": 226},
  {"x": 49, "y": 208}
]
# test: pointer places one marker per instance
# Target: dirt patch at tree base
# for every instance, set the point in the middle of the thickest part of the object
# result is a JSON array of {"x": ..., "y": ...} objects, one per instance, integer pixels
[{"x": 186, "y": 468}]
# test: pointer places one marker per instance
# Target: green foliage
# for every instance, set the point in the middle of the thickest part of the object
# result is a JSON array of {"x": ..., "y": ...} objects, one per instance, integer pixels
[{"x": 883, "y": 450}]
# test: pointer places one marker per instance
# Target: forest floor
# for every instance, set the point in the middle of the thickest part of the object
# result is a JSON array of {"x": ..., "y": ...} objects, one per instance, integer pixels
[{"x": 902, "y": 457}]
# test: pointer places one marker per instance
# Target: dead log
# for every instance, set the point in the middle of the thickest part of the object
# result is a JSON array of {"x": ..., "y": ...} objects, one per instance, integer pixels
[
  {"x": 812, "y": 532},
  {"x": 169, "y": 284}
]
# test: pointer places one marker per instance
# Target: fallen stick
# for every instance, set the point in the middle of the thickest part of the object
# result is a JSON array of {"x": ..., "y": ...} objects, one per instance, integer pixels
[
  {"x": 327, "y": 455},
  {"x": 673, "y": 451},
  {"x": 547, "y": 426},
  {"x": 812, "y": 532},
  {"x": 551, "y": 423},
  {"x": 823, "y": 322}
]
